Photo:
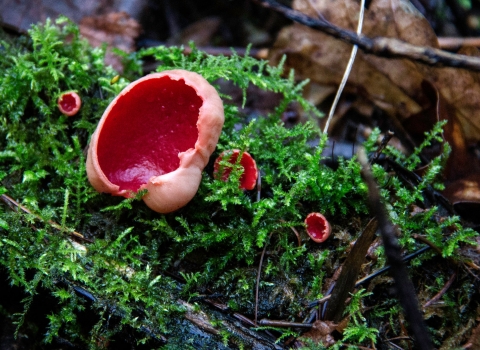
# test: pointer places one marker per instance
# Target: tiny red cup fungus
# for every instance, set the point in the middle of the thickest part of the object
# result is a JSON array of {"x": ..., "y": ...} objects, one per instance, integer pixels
[
  {"x": 157, "y": 134},
  {"x": 248, "y": 179},
  {"x": 318, "y": 228},
  {"x": 69, "y": 103}
]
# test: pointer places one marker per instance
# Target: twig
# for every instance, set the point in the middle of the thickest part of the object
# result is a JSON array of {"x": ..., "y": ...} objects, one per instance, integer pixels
[
  {"x": 87, "y": 295},
  {"x": 14, "y": 204},
  {"x": 386, "y": 268},
  {"x": 348, "y": 69},
  {"x": 244, "y": 319},
  {"x": 439, "y": 252},
  {"x": 259, "y": 185},
  {"x": 452, "y": 43},
  {"x": 283, "y": 324},
  {"x": 441, "y": 292},
  {"x": 321, "y": 315},
  {"x": 299, "y": 240},
  {"x": 371, "y": 276},
  {"x": 403, "y": 284},
  {"x": 351, "y": 346},
  {"x": 319, "y": 301},
  {"x": 295, "y": 231},
  {"x": 428, "y": 242},
  {"x": 386, "y": 139},
  {"x": 379, "y": 46}
]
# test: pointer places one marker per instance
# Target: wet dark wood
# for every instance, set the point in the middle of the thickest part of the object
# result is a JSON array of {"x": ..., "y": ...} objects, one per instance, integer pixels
[{"x": 350, "y": 270}]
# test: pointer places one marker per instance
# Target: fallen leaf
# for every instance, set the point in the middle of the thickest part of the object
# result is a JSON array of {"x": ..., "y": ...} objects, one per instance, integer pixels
[
  {"x": 461, "y": 89},
  {"x": 200, "y": 32},
  {"x": 21, "y": 14},
  {"x": 474, "y": 341},
  {"x": 321, "y": 333},
  {"x": 391, "y": 84},
  {"x": 412, "y": 94},
  {"x": 116, "y": 29},
  {"x": 465, "y": 196}
]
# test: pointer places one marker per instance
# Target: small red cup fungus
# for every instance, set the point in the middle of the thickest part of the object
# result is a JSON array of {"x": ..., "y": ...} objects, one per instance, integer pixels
[
  {"x": 318, "y": 228},
  {"x": 249, "y": 177},
  {"x": 157, "y": 134},
  {"x": 69, "y": 103}
]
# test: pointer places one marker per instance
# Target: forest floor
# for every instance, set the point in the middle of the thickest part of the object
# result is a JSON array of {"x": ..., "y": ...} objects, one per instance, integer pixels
[{"x": 401, "y": 95}]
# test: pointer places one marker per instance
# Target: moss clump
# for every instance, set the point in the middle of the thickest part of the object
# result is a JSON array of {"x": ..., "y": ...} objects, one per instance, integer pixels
[{"x": 129, "y": 265}]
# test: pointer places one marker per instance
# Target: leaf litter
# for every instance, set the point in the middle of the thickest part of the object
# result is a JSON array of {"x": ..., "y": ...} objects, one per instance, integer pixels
[{"x": 397, "y": 88}]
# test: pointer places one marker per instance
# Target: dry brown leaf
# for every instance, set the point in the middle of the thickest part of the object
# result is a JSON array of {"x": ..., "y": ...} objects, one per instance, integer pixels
[
  {"x": 474, "y": 341},
  {"x": 462, "y": 170},
  {"x": 412, "y": 93},
  {"x": 200, "y": 32},
  {"x": 392, "y": 85},
  {"x": 461, "y": 162},
  {"x": 464, "y": 193},
  {"x": 321, "y": 332},
  {"x": 116, "y": 29},
  {"x": 21, "y": 14},
  {"x": 461, "y": 89}
]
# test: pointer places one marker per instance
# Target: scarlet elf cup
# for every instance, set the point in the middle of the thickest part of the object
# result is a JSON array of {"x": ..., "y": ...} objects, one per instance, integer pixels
[{"x": 157, "y": 134}]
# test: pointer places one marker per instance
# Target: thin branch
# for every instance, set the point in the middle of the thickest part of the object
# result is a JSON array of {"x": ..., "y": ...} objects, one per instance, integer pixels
[
  {"x": 244, "y": 319},
  {"x": 379, "y": 46},
  {"x": 441, "y": 292},
  {"x": 454, "y": 43},
  {"x": 15, "y": 205},
  {"x": 348, "y": 69},
  {"x": 385, "y": 140},
  {"x": 374, "y": 274},
  {"x": 283, "y": 324},
  {"x": 403, "y": 284},
  {"x": 299, "y": 240}
]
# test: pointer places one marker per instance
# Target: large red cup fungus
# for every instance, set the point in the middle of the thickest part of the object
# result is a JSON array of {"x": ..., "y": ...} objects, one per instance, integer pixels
[
  {"x": 69, "y": 103},
  {"x": 318, "y": 228},
  {"x": 248, "y": 179},
  {"x": 157, "y": 134}
]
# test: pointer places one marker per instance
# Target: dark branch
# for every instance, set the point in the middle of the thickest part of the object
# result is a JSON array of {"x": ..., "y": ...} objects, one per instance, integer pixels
[
  {"x": 380, "y": 46},
  {"x": 366, "y": 279},
  {"x": 403, "y": 284}
]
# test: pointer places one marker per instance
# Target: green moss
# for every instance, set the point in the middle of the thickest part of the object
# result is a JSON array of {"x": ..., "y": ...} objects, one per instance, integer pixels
[{"x": 216, "y": 240}]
